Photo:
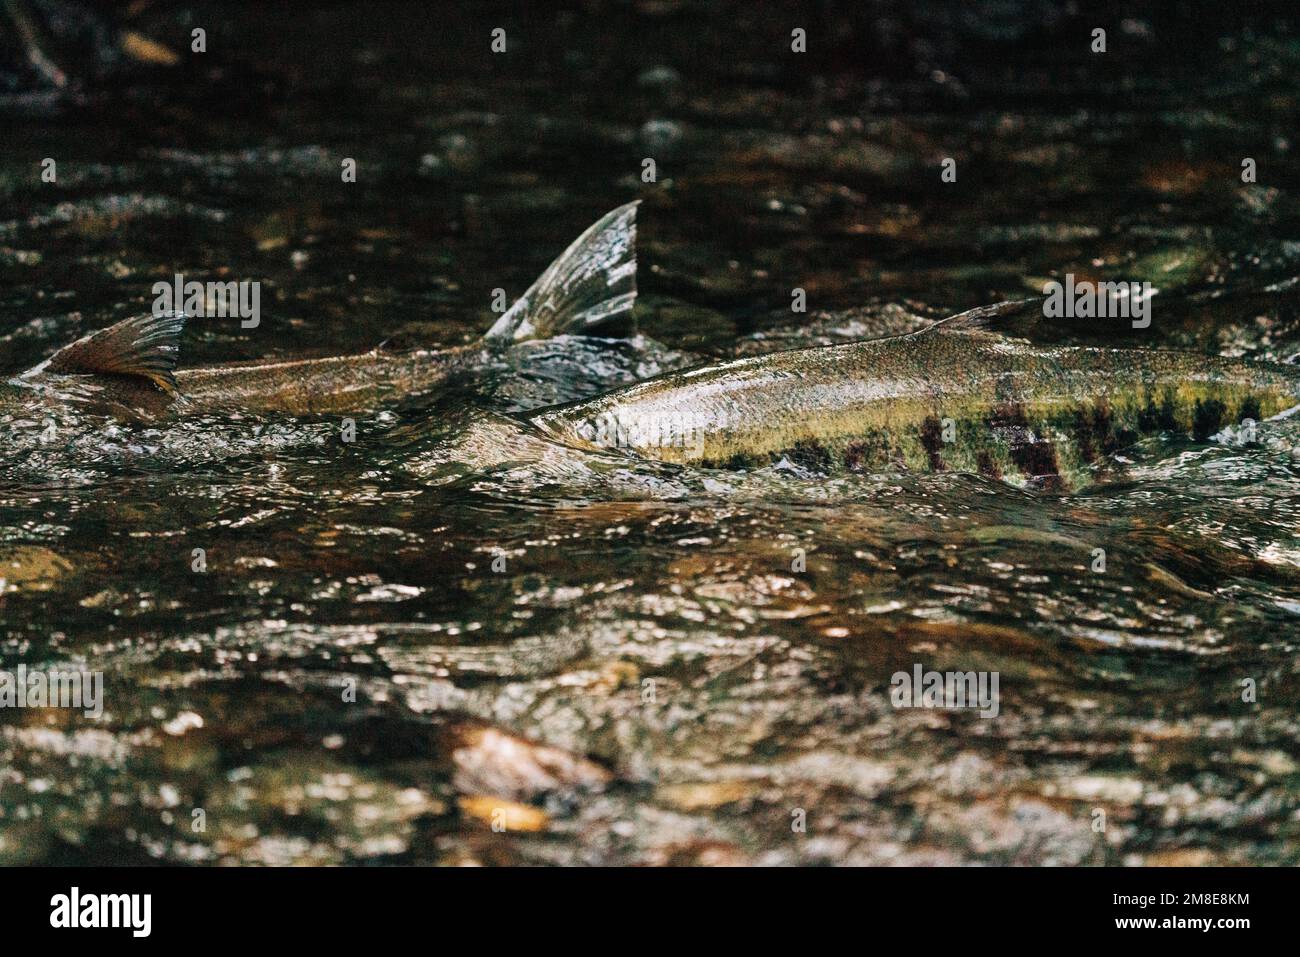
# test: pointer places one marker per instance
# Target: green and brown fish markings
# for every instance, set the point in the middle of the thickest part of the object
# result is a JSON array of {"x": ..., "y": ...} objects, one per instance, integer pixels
[{"x": 955, "y": 397}]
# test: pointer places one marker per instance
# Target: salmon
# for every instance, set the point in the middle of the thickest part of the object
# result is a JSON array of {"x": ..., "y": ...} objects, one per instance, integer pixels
[
  {"x": 958, "y": 396},
  {"x": 130, "y": 368}
]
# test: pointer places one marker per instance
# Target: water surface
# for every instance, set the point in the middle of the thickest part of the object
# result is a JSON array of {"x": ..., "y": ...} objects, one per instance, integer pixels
[{"x": 392, "y": 647}]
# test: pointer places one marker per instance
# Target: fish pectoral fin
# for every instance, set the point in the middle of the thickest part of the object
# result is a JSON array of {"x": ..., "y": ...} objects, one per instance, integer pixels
[
  {"x": 590, "y": 283},
  {"x": 142, "y": 347},
  {"x": 991, "y": 319}
]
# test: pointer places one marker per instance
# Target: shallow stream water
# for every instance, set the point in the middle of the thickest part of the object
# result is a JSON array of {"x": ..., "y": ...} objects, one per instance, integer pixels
[{"x": 390, "y": 650}]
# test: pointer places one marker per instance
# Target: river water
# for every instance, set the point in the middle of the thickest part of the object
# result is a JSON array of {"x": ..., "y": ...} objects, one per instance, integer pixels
[{"x": 388, "y": 654}]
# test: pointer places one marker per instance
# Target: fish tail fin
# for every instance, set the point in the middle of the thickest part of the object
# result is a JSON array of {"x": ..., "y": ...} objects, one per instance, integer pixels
[
  {"x": 590, "y": 283},
  {"x": 145, "y": 347}
]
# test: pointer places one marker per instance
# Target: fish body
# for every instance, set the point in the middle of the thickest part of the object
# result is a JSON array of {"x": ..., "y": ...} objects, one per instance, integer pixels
[
  {"x": 335, "y": 384},
  {"x": 954, "y": 397}
]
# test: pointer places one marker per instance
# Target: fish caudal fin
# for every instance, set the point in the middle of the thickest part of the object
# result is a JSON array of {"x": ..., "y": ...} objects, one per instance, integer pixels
[
  {"x": 142, "y": 347},
  {"x": 592, "y": 282}
]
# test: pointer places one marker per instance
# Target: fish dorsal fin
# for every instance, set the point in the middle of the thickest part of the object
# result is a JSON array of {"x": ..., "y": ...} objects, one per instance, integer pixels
[
  {"x": 591, "y": 282},
  {"x": 989, "y": 320},
  {"x": 142, "y": 347}
]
